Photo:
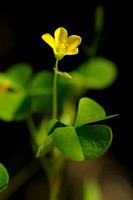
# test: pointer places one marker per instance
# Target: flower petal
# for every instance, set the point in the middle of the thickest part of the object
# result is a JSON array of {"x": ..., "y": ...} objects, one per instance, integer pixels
[
  {"x": 72, "y": 52},
  {"x": 60, "y": 35},
  {"x": 72, "y": 42},
  {"x": 49, "y": 39}
]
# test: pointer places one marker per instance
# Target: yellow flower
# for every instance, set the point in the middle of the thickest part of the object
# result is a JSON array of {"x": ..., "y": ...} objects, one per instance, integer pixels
[{"x": 62, "y": 44}]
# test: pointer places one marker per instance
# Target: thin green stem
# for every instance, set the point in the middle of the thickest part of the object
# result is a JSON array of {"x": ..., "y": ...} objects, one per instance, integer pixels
[
  {"x": 55, "y": 91},
  {"x": 32, "y": 131},
  {"x": 56, "y": 180}
]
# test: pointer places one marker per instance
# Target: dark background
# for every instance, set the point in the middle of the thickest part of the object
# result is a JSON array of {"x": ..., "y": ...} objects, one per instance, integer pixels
[{"x": 21, "y": 28}]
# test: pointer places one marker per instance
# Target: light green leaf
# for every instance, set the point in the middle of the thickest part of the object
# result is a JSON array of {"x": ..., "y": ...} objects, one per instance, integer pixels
[
  {"x": 2, "y": 77},
  {"x": 96, "y": 73},
  {"x": 4, "y": 178},
  {"x": 47, "y": 144},
  {"x": 81, "y": 143},
  {"x": 90, "y": 111},
  {"x": 67, "y": 141},
  {"x": 45, "y": 147},
  {"x": 53, "y": 124},
  {"x": 20, "y": 73},
  {"x": 14, "y": 106}
]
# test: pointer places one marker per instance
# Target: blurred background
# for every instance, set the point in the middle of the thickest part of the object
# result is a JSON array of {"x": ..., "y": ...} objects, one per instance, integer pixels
[{"x": 21, "y": 28}]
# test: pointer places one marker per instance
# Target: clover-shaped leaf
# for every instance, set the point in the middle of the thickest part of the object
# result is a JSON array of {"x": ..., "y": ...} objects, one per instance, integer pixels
[
  {"x": 80, "y": 142},
  {"x": 90, "y": 111},
  {"x": 4, "y": 178},
  {"x": 85, "y": 142}
]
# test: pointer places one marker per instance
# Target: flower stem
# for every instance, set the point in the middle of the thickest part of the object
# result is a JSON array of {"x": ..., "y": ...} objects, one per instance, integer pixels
[{"x": 55, "y": 91}]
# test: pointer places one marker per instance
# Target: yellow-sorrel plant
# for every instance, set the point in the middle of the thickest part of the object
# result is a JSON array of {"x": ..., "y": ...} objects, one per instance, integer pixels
[{"x": 64, "y": 132}]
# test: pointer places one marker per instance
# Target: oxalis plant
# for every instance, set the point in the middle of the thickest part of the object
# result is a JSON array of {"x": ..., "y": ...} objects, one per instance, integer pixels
[{"x": 71, "y": 132}]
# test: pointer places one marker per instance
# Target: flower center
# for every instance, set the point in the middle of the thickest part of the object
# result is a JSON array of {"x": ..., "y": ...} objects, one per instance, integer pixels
[{"x": 61, "y": 47}]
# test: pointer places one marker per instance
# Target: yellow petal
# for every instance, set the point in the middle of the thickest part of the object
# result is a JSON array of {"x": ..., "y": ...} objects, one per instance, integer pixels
[
  {"x": 72, "y": 42},
  {"x": 60, "y": 35},
  {"x": 49, "y": 39},
  {"x": 72, "y": 52}
]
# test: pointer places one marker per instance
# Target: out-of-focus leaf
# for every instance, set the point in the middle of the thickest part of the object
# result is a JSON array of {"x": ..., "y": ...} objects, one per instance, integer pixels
[
  {"x": 96, "y": 73},
  {"x": 91, "y": 191},
  {"x": 24, "y": 109},
  {"x": 20, "y": 73},
  {"x": 41, "y": 90},
  {"x": 69, "y": 106},
  {"x": 18, "y": 76},
  {"x": 4, "y": 178},
  {"x": 14, "y": 106},
  {"x": 40, "y": 83}
]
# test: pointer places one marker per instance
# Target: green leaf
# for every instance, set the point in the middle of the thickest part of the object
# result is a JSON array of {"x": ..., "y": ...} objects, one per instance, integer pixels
[
  {"x": 53, "y": 124},
  {"x": 47, "y": 144},
  {"x": 14, "y": 106},
  {"x": 2, "y": 77},
  {"x": 4, "y": 178},
  {"x": 90, "y": 111},
  {"x": 67, "y": 141},
  {"x": 96, "y": 73},
  {"x": 94, "y": 140},
  {"x": 41, "y": 88},
  {"x": 20, "y": 73},
  {"x": 45, "y": 147},
  {"x": 81, "y": 143},
  {"x": 24, "y": 109}
]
